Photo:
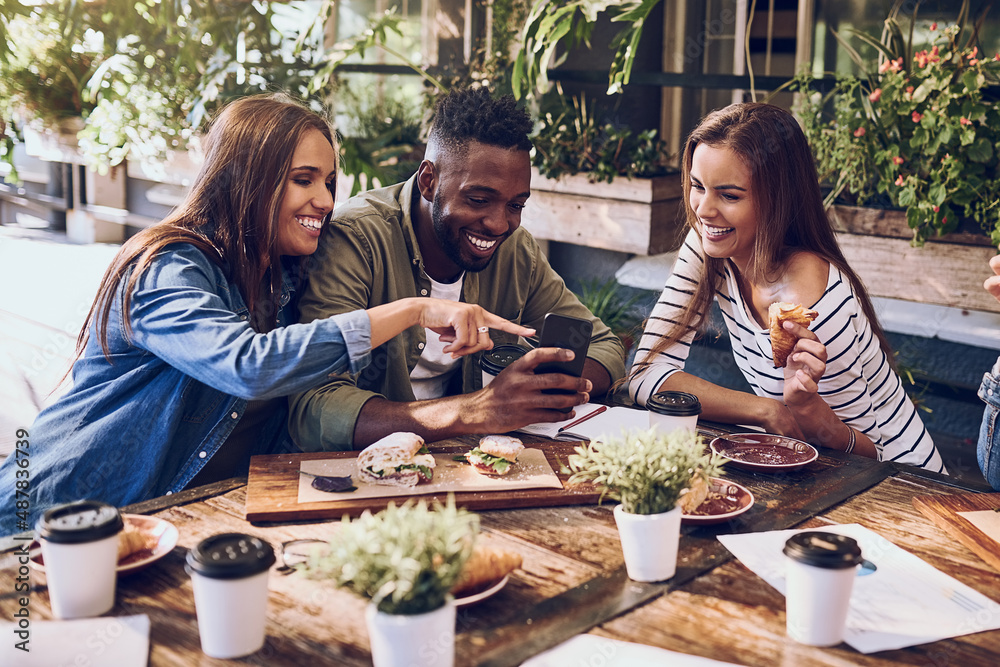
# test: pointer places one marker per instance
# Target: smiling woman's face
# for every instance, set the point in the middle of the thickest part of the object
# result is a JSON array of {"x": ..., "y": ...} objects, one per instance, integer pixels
[
  {"x": 722, "y": 199},
  {"x": 308, "y": 196}
]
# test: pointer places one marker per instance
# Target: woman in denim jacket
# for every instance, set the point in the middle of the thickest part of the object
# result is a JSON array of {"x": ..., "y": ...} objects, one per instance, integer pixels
[
  {"x": 191, "y": 383},
  {"x": 988, "y": 451}
]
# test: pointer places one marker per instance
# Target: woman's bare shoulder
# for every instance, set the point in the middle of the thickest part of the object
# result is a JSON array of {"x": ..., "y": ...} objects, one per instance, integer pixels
[{"x": 805, "y": 278}]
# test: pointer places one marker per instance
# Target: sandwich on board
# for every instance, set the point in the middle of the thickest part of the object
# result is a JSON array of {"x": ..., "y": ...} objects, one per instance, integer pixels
[
  {"x": 398, "y": 459},
  {"x": 495, "y": 454}
]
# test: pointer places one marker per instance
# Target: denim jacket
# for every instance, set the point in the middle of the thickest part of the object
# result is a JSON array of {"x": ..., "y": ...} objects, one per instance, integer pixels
[
  {"x": 144, "y": 424},
  {"x": 988, "y": 452}
]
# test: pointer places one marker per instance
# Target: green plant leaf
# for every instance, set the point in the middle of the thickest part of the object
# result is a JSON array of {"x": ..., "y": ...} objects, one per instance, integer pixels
[{"x": 981, "y": 150}]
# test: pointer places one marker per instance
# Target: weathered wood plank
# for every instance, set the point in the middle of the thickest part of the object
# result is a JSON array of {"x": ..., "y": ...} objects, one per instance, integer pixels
[
  {"x": 644, "y": 190},
  {"x": 892, "y": 223},
  {"x": 641, "y": 215},
  {"x": 612, "y": 224},
  {"x": 939, "y": 273}
]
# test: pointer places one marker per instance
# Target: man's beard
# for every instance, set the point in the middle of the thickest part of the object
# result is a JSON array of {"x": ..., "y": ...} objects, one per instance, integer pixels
[{"x": 451, "y": 241}]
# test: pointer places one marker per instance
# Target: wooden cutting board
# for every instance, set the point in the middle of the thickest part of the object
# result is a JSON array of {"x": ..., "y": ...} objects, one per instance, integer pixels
[
  {"x": 943, "y": 511},
  {"x": 273, "y": 483}
]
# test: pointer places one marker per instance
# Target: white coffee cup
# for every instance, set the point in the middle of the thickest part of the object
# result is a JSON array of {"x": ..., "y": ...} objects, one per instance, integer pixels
[
  {"x": 497, "y": 359},
  {"x": 821, "y": 568},
  {"x": 79, "y": 543},
  {"x": 229, "y": 575},
  {"x": 673, "y": 410}
]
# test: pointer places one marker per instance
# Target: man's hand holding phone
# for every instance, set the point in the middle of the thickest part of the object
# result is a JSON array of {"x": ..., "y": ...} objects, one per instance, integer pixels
[
  {"x": 545, "y": 384},
  {"x": 568, "y": 333}
]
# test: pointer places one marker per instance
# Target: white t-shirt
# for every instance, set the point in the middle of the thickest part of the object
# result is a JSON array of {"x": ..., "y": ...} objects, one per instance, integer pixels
[{"x": 434, "y": 369}]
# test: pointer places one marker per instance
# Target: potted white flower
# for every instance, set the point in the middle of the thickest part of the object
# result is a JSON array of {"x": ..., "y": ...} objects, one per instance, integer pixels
[
  {"x": 648, "y": 472},
  {"x": 405, "y": 560}
]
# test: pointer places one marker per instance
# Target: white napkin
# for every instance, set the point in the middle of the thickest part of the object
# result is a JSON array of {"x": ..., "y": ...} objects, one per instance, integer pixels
[
  {"x": 594, "y": 650},
  {"x": 105, "y": 641}
]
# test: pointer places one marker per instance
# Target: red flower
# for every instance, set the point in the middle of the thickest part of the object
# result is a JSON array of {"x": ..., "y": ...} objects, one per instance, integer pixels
[
  {"x": 860, "y": 132},
  {"x": 897, "y": 160},
  {"x": 974, "y": 61},
  {"x": 899, "y": 180},
  {"x": 934, "y": 26},
  {"x": 916, "y": 116},
  {"x": 964, "y": 121},
  {"x": 876, "y": 94},
  {"x": 909, "y": 89},
  {"x": 936, "y": 209},
  {"x": 884, "y": 67}
]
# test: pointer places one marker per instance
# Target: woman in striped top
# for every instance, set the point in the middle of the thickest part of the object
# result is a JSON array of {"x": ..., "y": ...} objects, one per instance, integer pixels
[{"x": 759, "y": 235}]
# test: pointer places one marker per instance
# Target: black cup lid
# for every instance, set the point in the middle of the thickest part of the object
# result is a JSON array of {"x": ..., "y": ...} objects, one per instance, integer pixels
[
  {"x": 230, "y": 556},
  {"x": 78, "y": 522},
  {"x": 827, "y": 550},
  {"x": 674, "y": 404},
  {"x": 500, "y": 357}
]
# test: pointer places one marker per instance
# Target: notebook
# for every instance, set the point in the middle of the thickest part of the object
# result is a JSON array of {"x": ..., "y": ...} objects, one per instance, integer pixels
[{"x": 611, "y": 422}]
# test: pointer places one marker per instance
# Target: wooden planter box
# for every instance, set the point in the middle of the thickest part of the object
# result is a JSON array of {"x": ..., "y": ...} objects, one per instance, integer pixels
[
  {"x": 643, "y": 216},
  {"x": 948, "y": 271}
]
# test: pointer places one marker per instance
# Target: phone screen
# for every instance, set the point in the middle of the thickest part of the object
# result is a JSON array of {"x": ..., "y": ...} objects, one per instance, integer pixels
[{"x": 571, "y": 333}]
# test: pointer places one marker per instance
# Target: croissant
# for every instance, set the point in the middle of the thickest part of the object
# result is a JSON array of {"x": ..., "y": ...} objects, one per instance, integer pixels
[
  {"x": 782, "y": 341},
  {"x": 485, "y": 565},
  {"x": 130, "y": 541},
  {"x": 694, "y": 495}
]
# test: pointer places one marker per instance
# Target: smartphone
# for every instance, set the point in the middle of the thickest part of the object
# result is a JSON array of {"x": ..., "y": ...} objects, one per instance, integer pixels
[{"x": 567, "y": 332}]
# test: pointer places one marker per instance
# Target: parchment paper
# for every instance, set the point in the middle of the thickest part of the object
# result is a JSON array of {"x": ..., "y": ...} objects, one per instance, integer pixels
[{"x": 532, "y": 471}]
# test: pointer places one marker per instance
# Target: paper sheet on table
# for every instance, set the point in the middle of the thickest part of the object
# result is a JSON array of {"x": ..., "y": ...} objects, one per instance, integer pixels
[
  {"x": 987, "y": 521},
  {"x": 608, "y": 423},
  {"x": 594, "y": 650},
  {"x": 532, "y": 471},
  {"x": 904, "y": 602},
  {"x": 105, "y": 641}
]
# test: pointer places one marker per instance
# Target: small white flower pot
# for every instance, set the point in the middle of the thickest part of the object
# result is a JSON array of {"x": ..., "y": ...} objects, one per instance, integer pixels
[
  {"x": 412, "y": 640},
  {"x": 649, "y": 543}
]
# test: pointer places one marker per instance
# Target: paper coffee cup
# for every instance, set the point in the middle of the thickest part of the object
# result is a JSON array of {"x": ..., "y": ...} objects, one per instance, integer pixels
[
  {"x": 821, "y": 568},
  {"x": 499, "y": 358},
  {"x": 673, "y": 410},
  {"x": 80, "y": 548},
  {"x": 229, "y": 575}
]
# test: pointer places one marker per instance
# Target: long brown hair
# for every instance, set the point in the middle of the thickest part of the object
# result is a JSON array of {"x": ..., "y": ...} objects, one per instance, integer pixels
[
  {"x": 230, "y": 213},
  {"x": 788, "y": 203}
]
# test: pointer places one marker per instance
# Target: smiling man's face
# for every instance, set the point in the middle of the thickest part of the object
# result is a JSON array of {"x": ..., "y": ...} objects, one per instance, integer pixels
[{"x": 478, "y": 202}]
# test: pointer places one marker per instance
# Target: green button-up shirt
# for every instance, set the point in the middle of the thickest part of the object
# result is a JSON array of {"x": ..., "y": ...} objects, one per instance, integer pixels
[{"x": 368, "y": 255}]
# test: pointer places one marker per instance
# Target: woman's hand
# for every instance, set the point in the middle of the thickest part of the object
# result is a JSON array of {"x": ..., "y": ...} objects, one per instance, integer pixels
[
  {"x": 777, "y": 418},
  {"x": 465, "y": 327},
  {"x": 805, "y": 367}
]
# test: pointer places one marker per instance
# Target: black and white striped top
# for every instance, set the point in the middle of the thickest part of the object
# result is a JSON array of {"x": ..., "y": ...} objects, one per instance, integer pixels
[{"x": 859, "y": 384}]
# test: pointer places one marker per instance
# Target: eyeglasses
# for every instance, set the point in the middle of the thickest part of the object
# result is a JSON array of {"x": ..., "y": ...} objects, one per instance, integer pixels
[{"x": 296, "y": 552}]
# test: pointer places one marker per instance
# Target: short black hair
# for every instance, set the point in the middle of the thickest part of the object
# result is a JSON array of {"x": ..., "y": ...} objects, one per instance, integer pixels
[{"x": 473, "y": 114}]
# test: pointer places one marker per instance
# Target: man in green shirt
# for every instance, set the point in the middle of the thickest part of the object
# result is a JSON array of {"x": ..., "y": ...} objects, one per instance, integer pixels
[{"x": 451, "y": 231}]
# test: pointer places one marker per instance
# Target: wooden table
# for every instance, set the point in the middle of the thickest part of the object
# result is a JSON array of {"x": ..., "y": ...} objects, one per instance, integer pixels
[{"x": 572, "y": 581}]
